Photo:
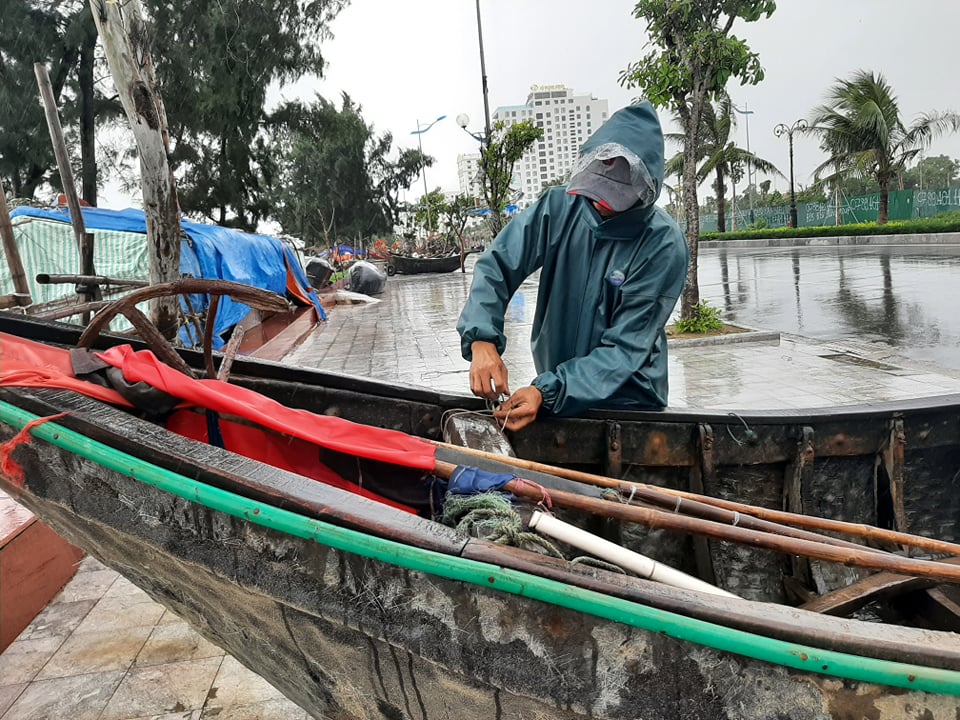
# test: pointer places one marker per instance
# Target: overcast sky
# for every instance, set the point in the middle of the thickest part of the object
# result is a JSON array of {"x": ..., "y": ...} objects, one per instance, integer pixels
[{"x": 412, "y": 61}]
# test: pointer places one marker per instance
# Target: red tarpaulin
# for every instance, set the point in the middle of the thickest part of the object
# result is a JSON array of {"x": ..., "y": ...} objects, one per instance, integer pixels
[{"x": 25, "y": 363}]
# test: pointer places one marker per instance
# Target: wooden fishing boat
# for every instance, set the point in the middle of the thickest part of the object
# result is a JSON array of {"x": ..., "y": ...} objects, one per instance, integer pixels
[
  {"x": 413, "y": 265},
  {"x": 302, "y": 537}
]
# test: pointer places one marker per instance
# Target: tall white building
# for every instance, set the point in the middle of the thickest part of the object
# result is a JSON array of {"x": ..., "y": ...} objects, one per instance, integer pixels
[
  {"x": 468, "y": 173},
  {"x": 567, "y": 120}
]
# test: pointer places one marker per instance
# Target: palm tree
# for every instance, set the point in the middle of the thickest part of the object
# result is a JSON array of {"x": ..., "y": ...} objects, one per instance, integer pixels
[
  {"x": 861, "y": 130},
  {"x": 718, "y": 152}
]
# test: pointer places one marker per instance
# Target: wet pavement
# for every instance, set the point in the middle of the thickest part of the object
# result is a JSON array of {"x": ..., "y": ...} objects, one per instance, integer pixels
[
  {"x": 843, "y": 326},
  {"x": 410, "y": 336},
  {"x": 900, "y": 297}
]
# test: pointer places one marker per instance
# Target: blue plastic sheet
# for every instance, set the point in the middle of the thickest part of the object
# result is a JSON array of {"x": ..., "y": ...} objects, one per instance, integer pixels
[{"x": 208, "y": 251}]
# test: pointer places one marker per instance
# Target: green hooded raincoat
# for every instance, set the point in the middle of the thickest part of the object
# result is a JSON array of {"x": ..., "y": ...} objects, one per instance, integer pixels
[{"x": 607, "y": 287}]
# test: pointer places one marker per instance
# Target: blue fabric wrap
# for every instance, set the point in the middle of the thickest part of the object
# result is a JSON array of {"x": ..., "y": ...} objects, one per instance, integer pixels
[
  {"x": 471, "y": 480},
  {"x": 209, "y": 251}
]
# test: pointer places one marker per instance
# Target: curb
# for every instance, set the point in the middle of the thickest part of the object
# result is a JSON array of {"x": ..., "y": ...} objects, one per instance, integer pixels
[{"x": 751, "y": 335}]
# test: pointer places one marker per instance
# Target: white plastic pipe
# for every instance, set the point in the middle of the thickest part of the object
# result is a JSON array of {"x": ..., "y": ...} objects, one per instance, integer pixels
[{"x": 613, "y": 553}]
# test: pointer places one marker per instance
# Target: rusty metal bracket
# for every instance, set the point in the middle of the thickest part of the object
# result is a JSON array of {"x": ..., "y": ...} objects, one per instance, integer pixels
[
  {"x": 704, "y": 469},
  {"x": 893, "y": 457},
  {"x": 799, "y": 474},
  {"x": 613, "y": 461}
]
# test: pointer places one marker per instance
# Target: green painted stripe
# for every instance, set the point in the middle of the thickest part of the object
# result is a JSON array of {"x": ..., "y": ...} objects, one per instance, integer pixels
[{"x": 801, "y": 657}]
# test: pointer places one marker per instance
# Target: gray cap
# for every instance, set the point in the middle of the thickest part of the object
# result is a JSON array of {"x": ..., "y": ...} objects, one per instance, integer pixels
[{"x": 613, "y": 175}]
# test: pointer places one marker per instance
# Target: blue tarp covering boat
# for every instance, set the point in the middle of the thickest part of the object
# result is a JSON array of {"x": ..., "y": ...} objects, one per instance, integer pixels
[{"x": 209, "y": 251}]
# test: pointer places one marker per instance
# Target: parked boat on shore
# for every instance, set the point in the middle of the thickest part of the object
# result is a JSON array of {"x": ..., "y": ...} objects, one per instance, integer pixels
[
  {"x": 415, "y": 265},
  {"x": 355, "y": 606}
]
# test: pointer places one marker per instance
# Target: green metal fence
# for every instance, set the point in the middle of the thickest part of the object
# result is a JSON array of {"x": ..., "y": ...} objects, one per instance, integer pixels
[{"x": 903, "y": 205}]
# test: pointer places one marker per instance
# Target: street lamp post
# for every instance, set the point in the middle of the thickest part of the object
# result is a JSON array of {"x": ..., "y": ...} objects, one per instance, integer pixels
[
  {"x": 483, "y": 75},
  {"x": 418, "y": 132},
  {"x": 780, "y": 130},
  {"x": 463, "y": 120},
  {"x": 746, "y": 119}
]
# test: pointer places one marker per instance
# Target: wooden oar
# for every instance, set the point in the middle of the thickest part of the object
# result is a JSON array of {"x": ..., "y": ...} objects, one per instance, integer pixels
[
  {"x": 811, "y": 522},
  {"x": 651, "y": 517}
]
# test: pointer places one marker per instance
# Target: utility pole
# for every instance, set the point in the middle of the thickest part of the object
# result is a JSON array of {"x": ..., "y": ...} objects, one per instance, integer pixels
[
  {"x": 483, "y": 78},
  {"x": 746, "y": 119}
]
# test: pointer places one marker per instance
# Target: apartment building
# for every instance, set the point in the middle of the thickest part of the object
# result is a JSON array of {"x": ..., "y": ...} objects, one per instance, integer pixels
[
  {"x": 567, "y": 120},
  {"x": 468, "y": 173}
]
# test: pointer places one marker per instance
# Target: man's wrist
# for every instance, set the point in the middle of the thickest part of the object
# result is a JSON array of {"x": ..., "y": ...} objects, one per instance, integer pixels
[{"x": 541, "y": 386}]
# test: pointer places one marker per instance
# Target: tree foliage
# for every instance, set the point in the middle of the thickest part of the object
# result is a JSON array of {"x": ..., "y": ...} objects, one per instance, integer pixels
[
  {"x": 498, "y": 155},
  {"x": 334, "y": 179},
  {"x": 863, "y": 133},
  {"x": 939, "y": 171},
  {"x": 62, "y": 37},
  {"x": 692, "y": 55},
  {"x": 216, "y": 62},
  {"x": 719, "y": 153},
  {"x": 429, "y": 210}
]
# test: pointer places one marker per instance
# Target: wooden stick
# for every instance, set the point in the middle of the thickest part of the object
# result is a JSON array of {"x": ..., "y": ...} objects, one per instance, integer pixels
[
  {"x": 59, "y": 313},
  {"x": 48, "y": 279},
  {"x": 21, "y": 290},
  {"x": 230, "y": 352},
  {"x": 780, "y": 516},
  {"x": 84, "y": 239},
  {"x": 651, "y": 517}
]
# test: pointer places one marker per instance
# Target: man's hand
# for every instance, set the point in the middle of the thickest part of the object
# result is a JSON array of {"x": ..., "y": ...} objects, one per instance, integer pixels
[
  {"x": 520, "y": 409},
  {"x": 488, "y": 374}
]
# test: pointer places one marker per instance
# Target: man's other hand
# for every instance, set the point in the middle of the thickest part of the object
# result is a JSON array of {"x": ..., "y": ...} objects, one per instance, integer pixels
[
  {"x": 488, "y": 374},
  {"x": 520, "y": 409}
]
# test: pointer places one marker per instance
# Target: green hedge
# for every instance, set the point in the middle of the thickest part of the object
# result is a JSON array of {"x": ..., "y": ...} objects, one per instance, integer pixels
[{"x": 945, "y": 222}]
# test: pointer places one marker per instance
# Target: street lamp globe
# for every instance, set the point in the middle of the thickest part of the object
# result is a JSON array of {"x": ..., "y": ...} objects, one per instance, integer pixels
[{"x": 463, "y": 120}]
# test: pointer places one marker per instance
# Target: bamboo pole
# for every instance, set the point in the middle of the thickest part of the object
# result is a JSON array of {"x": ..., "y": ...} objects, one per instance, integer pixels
[
  {"x": 660, "y": 519},
  {"x": 57, "y": 279},
  {"x": 63, "y": 160},
  {"x": 83, "y": 238},
  {"x": 706, "y": 511},
  {"x": 811, "y": 522}
]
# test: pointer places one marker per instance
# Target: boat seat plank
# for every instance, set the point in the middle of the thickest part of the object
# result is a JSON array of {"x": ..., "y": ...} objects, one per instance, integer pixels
[{"x": 880, "y": 585}]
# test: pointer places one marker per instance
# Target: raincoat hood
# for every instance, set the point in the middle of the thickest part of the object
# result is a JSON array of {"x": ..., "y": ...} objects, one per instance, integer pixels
[{"x": 633, "y": 133}]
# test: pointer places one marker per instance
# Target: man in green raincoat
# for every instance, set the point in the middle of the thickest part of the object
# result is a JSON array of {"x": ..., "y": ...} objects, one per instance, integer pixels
[{"x": 612, "y": 265}]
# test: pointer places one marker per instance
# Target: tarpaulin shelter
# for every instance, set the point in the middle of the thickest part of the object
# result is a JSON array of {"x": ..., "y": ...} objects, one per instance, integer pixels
[{"x": 46, "y": 244}]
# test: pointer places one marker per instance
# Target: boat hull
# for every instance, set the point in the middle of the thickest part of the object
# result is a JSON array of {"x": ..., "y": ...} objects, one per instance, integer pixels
[
  {"x": 349, "y": 636},
  {"x": 407, "y": 265},
  {"x": 886, "y": 464}
]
